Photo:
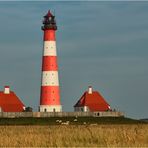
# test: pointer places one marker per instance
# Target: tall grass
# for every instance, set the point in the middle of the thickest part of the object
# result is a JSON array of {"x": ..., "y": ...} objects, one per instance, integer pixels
[{"x": 74, "y": 135}]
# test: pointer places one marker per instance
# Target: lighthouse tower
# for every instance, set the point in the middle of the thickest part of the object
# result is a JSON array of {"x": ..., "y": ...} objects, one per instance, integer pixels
[{"x": 50, "y": 91}]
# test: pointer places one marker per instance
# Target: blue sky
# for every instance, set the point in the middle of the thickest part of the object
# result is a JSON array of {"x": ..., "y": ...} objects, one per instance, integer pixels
[{"x": 103, "y": 44}]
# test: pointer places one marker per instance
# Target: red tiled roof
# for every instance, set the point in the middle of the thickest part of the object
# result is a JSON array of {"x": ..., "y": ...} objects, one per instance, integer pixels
[
  {"x": 10, "y": 102},
  {"x": 94, "y": 101}
]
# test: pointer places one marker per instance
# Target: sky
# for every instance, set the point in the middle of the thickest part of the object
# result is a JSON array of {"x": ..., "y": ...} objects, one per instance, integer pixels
[{"x": 102, "y": 44}]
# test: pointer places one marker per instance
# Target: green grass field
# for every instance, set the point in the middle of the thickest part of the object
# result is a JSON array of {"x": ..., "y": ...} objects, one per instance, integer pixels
[{"x": 71, "y": 120}]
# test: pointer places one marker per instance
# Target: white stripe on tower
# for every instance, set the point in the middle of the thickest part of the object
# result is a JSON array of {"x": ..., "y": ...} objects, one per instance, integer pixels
[
  {"x": 50, "y": 48},
  {"x": 50, "y": 92},
  {"x": 50, "y": 78}
]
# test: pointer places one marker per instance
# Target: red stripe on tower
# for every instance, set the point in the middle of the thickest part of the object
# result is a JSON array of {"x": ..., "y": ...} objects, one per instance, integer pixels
[
  {"x": 50, "y": 91},
  {"x": 49, "y": 63}
]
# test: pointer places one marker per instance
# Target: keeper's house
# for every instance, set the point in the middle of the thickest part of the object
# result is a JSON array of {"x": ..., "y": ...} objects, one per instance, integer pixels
[
  {"x": 91, "y": 101},
  {"x": 9, "y": 102}
]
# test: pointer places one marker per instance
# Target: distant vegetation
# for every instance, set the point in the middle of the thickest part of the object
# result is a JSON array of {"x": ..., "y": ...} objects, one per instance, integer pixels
[
  {"x": 145, "y": 120},
  {"x": 69, "y": 120},
  {"x": 107, "y": 135}
]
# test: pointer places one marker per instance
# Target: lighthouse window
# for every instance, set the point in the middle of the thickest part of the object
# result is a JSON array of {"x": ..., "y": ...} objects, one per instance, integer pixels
[{"x": 52, "y": 82}]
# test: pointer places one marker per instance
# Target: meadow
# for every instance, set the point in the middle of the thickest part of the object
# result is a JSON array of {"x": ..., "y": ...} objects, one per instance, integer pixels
[
  {"x": 80, "y": 120},
  {"x": 135, "y": 135}
]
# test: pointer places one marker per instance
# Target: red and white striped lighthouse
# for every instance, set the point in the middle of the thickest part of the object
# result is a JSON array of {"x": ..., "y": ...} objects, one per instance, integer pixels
[{"x": 50, "y": 91}]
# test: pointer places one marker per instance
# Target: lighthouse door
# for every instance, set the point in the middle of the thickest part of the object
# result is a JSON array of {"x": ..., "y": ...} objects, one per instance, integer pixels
[{"x": 54, "y": 110}]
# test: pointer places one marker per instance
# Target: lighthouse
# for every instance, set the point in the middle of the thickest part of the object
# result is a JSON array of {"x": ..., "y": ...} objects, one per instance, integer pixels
[{"x": 50, "y": 90}]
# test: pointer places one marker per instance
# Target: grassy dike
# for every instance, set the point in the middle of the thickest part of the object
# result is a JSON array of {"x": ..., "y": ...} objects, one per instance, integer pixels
[
  {"x": 46, "y": 132},
  {"x": 71, "y": 120}
]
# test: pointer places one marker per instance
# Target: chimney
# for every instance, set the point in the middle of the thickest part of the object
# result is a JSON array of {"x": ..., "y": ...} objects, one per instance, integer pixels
[
  {"x": 90, "y": 90},
  {"x": 7, "y": 90}
]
